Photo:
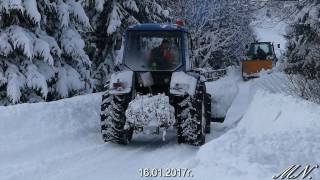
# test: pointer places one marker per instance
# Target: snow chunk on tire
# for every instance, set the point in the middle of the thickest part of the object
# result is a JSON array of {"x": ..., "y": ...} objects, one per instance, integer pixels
[{"x": 150, "y": 110}]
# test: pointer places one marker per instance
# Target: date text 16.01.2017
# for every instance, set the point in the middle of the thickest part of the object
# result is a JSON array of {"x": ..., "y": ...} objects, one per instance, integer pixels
[{"x": 165, "y": 172}]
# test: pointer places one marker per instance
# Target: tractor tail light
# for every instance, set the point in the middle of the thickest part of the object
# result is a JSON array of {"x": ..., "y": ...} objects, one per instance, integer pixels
[
  {"x": 118, "y": 85},
  {"x": 180, "y": 22}
]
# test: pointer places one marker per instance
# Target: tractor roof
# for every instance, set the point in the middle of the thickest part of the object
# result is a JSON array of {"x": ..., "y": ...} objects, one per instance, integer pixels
[{"x": 157, "y": 27}]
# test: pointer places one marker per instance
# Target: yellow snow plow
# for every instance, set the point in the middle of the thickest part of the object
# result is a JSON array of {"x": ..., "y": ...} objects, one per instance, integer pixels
[{"x": 259, "y": 56}]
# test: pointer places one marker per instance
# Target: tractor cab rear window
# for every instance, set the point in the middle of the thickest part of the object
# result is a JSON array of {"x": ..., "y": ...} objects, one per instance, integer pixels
[
  {"x": 153, "y": 50},
  {"x": 260, "y": 51}
]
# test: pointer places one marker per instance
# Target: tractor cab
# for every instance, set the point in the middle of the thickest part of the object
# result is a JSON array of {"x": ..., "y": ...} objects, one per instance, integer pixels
[
  {"x": 259, "y": 56},
  {"x": 153, "y": 52}
]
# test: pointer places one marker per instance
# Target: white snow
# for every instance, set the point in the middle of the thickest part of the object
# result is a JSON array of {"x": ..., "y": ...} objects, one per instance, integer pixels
[
  {"x": 276, "y": 132},
  {"x": 115, "y": 18},
  {"x": 182, "y": 83},
  {"x": 46, "y": 70},
  {"x": 36, "y": 80},
  {"x": 63, "y": 13},
  {"x": 21, "y": 39},
  {"x": 62, "y": 140},
  {"x": 11, "y": 5},
  {"x": 72, "y": 43},
  {"x": 54, "y": 47},
  {"x": 69, "y": 79},
  {"x": 99, "y": 5},
  {"x": 42, "y": 49},
  {"x": 5, "y": 47},
  {"x": 147, "y": 79},
  {"x": 270, "y": 31},
  {"x": 131, "y": 4},
  {"x": 32, "y": 10},
  {"x": 150, "y": 110},
  {"x": 223, "y": 91},
  {"x": 16, "y": 82},
  {"x": 77, "y": 12}
]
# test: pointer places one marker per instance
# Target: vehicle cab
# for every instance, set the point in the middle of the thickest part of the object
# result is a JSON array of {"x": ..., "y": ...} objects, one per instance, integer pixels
[
  {"x": 153, "y": 52},
  {"x": 259, "y": 56}
]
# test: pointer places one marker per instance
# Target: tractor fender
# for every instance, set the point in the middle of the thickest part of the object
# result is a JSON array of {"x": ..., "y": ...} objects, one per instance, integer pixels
[
  {"x": 182, "y": 84},
  {"x": 121, "y": 82}
]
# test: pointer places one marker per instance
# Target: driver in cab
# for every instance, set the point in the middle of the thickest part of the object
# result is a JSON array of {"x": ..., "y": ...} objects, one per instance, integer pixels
[{"x": 161, "y": 57}]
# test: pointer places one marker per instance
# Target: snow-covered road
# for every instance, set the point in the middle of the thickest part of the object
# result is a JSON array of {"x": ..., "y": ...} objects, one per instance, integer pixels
[{"x": 61, "y": 141}]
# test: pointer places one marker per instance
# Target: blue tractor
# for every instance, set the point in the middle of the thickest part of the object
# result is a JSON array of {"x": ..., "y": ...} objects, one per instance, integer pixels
[{"x": 157, "y": 58}]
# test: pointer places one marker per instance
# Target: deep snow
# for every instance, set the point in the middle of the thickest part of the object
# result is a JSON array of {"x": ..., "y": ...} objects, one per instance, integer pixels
[{"x": 263, "y": 134}]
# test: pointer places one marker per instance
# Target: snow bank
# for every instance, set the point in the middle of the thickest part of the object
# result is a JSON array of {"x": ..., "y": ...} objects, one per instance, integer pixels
[
  {"x": 34, "y": 138},
  {"x": 151, "y": 110},
  {"x": 223, "y": 92},
  {"x": 276, "y": 132}
]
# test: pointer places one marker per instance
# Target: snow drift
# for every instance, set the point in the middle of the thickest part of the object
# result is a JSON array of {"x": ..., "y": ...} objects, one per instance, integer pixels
[
  {"x": 223, "y": 92},
  {"x": 277, "y": 131}
]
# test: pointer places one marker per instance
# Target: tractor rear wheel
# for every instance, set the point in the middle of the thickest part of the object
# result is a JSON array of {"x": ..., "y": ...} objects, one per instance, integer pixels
[
  {"x": 113, "y": 118},
  {"x": 191, "y": 122}
]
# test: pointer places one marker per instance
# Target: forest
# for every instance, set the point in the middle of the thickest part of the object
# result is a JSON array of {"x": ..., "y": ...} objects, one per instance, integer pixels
[{"x": 54, "y": 49}]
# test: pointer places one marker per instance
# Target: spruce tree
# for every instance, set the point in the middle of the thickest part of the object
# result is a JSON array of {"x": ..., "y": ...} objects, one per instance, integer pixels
[{"x": 42, "y": 53}]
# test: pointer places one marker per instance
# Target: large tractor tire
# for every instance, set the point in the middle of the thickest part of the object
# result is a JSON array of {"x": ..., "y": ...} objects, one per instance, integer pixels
[
  {"x": 191, "y": 122},
  {"x": 113, "y": 118}
]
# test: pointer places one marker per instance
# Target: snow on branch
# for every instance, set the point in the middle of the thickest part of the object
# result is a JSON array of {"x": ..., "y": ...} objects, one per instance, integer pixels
[
  {"x": 16, "y": 81},
  {"x": 5, "y": 47},
  {"x": 78, "y": 14},
  {"x": 32, "y": 10},
  {"x": 69, "y": 79},
  {"x": 131, "y": 4},
  {"x": 73, "y": 44},
  {"x": 115, "y": 18},
  {"x": 24, "y": 40},
  {"x": 99, "y": 5},
  {"x": 8, "y": 5},
  {"x": 42, "y": 49},
  {"x": 54, "y": 47},
  {"x": 46, "y": 70},
  {"x": 36, "y": 80},
  {"x": 63, "y": 14},
  {"x": 21, "y": 39}
]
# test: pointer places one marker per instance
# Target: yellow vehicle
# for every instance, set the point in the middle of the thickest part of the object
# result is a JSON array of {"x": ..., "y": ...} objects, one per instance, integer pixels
[{"x": 259, "y": 56}]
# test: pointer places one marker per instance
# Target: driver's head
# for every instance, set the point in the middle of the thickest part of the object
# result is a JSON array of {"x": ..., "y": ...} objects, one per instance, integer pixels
[{"x": 165, "y": 44}]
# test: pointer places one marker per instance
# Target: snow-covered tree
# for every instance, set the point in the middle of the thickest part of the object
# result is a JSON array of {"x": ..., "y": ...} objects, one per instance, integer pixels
[
  {"x": 303, "y": 54},
  {"x": 42, "y": 54},
  {"x": 220, "y": 27}
]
